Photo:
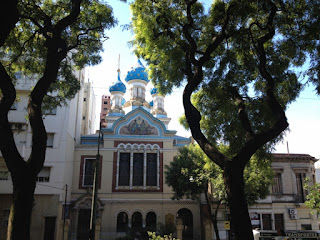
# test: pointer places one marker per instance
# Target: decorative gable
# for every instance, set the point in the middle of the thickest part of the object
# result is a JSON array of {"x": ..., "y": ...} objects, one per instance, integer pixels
[
  {"x": 138, "y": 126},
  {"x": 139, "y": 122}
]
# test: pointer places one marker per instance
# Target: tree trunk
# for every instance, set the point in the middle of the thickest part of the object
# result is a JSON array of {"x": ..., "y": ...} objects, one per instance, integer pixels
[
  {"x": 24, "y": 185},
  {"x": 240, "y": 220}
]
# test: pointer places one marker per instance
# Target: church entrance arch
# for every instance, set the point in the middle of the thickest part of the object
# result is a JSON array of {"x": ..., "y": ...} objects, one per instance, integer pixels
[{"x": 187, "y": 220}]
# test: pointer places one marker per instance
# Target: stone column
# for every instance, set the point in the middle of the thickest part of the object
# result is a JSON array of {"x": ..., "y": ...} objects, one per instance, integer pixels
[{"x": 179, "y": 226}]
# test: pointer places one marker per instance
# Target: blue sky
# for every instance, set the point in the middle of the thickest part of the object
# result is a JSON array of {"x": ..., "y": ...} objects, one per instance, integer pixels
[{"x": 303, "y": 115}]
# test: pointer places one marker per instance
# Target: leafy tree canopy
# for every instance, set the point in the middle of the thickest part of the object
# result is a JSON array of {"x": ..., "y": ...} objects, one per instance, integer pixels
[
  {"x": 166, "y": 30},
  {"x": 313, "y": 197},
  {"x": 26, "y": 50},
  {"x": 45, "y": 43},
  {"x": 191, "y": 171}
]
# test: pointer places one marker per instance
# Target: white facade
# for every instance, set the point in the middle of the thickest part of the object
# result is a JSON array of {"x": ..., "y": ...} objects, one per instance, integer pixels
[{"x": 64, "y": 127}]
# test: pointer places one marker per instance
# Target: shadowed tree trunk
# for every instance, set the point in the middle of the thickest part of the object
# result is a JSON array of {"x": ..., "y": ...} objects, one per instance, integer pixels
[
  {"x": 239, "y": 219},
  {"x": 24, "y": 172}
]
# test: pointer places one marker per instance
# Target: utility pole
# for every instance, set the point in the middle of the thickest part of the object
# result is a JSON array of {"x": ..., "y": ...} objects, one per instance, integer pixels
[{"x": 95, "y": 192}]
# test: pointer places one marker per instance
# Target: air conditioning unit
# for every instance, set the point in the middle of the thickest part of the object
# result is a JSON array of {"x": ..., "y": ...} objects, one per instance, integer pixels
[{"x": 293, "y": 213}]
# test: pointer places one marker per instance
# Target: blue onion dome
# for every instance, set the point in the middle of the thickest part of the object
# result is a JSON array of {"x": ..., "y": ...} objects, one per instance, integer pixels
[
  {"x": 151, "y": 103},
  {"x": 117, "y": 86},
  {"x": 137, "y": 73},
  {"x": 154, "y": 91}
]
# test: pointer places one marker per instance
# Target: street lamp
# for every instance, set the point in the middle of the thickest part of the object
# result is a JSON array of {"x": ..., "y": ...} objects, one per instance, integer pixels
[{"x": 95, "y": 192}]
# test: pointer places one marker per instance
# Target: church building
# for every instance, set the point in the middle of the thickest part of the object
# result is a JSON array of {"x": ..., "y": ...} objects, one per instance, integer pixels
[{"x": 135, "y": 146}]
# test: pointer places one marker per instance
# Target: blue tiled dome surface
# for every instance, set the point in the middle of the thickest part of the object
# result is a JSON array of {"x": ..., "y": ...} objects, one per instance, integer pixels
[
  {"x": 138, "y": 73},
  {"x": 117, "y": 86}
]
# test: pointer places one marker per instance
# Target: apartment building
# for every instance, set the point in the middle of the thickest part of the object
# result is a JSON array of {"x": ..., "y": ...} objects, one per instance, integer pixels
[
  {"x": 64, "y": 127},
  {"x": 284, "y": 207},
  {"x": 105, "y": 107}
]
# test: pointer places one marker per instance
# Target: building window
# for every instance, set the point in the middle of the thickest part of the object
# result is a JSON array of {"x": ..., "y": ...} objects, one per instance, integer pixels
[
  {"x": 84, "y": 99},
  {"x": 278, "y": 221},
  {"x": 124, "y": 169},
  {"x": 277, "y": 184},
  {"x": 306, "y": 227},
  {"x": 138, "y": 167},
  {"x": 4, "y": 175},
  {"x": 266, "y": 221},
  {"x": 87, "y": 168},
  {"x": 151, "y": 169},
  {"x": 50, "y": 137},
  {"x": 301, "y": 192},
  {"x": 105, "y": 102},
  {"x": 88, "y": 172},
  {"x": 122, "y": 222},
  {"x": 44, "y": 175}
]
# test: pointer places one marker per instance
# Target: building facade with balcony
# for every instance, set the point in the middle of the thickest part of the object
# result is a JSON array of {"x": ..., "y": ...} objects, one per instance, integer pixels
[
  {"x": 64, "y": 125},
  {"x": 284, "y": 208}
]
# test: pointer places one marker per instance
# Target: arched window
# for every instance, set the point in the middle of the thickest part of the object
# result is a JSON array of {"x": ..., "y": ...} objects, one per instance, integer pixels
[
  {"x": 136, "y": 221},
  {"x": 122, "y": 222},
  {"x": 151, "y": 222}
]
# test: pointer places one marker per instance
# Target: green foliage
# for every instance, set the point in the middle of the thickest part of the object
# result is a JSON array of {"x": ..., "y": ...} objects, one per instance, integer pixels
[
  {"x": 313, "y": 197},
  {"x": 244, "y": 62},
  {"x": 188, "y": 173},
  {"x": 153, "y": 236},
  {"x": 233, "y": 68},
  {"x": 191, "y": 170},
  {"x": 25, "y": 51}
]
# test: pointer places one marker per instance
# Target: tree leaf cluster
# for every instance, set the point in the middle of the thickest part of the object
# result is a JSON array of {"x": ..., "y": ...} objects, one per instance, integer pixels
[
  {"x": 191, "y": 173},
  {"x": 313, "y": 197},
  {"x": 231, "y": 75},
  {"x": 26, "y": 49},
  {"x": 44, "y": 45}
]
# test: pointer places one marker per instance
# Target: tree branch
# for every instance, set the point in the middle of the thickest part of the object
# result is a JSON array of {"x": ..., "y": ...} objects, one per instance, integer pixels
[
  {"x": 194, "y": 78},
  {"x": 281, "y": 121},
  {"x": 7, "y": 144},
  {"x": 57, "y": 50},
  {"x": 242, "y": 113}
]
